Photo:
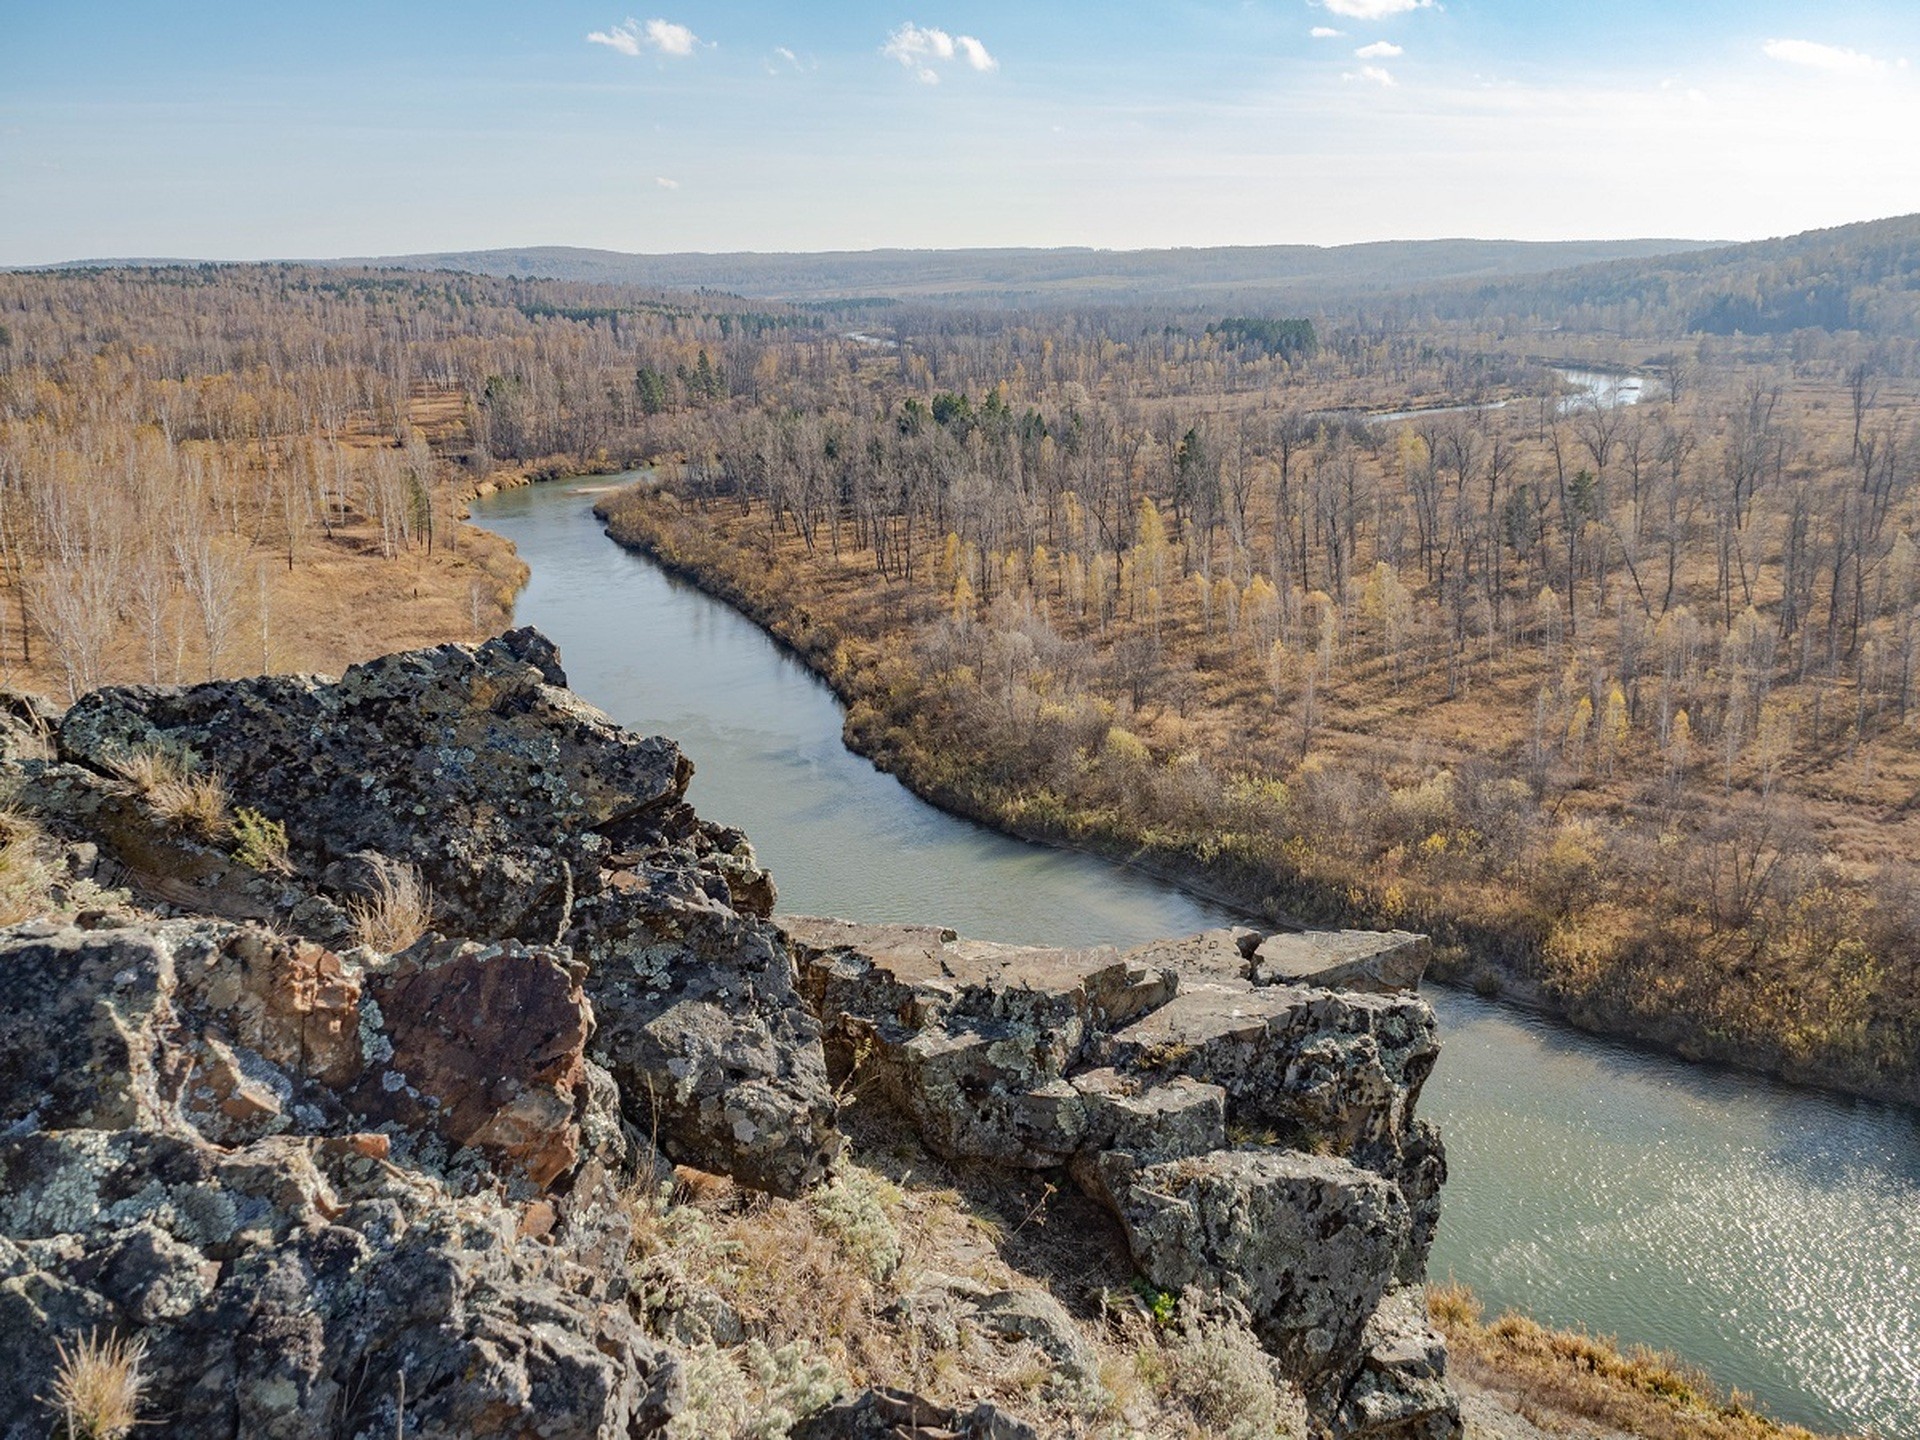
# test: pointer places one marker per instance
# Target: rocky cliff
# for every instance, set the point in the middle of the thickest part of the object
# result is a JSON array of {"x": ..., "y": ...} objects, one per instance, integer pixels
[{"x": 345, "y": 1188}]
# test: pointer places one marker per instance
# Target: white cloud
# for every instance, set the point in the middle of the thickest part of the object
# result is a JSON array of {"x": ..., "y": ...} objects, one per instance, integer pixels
[
  {"x": 1325, "y": 32},
  {"x": 923, "y": 49},
  {"x": 1816, "y": 56},
  {"x": 785, "y": 60},
  {"x": 665, "y": 184},
  {"x": 632, "y": 37},
  {"x": 1374, "y": 9},
  {"x": 624, "y": 38},
  {"x": 1374, "y": 73},
  {"x": 670, "y": 39},
  {"x": 976, "y": 53},
  {"x": 1379, "y": 50}
]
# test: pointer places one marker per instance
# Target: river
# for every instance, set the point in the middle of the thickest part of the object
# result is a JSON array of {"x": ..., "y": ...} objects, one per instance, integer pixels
[
  {"x": 1769, "y": 1234},
  {"x": 1597, "y": 390}
]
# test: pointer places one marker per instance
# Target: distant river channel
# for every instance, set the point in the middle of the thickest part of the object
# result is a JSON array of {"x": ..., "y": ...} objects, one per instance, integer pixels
[{"x": 1768, "y": 1234}]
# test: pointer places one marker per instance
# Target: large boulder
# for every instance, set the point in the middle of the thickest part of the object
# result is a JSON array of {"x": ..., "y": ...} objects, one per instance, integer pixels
[
  {"x": 1401, "y": 1391},
  {"x": 1306, "y": 1243},
  {"x": 1319, "y": 1070},
  {"x": 718, "y": 1061},
  {"x": 485, "y": 1047},
  {"x": 1387, "y": 961},
  {"x": 473, "y": 763}
]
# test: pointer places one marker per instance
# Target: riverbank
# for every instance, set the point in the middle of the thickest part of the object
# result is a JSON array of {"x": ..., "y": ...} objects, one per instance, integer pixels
[
  {"x": 1502, "y": 945},
  {"x": 1513, "y": 1372}
]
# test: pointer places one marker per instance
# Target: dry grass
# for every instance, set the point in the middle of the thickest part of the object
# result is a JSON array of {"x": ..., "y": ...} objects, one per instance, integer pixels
[
  {"x": 98, "y": 1386},
  {"x": 177, "y": 792},
  {"x": 24, "y": 877},
  {"x": 1560, "y": 1373},
  {"x": 777, "y": 1303},
  {"x": 397, "y": 910}
]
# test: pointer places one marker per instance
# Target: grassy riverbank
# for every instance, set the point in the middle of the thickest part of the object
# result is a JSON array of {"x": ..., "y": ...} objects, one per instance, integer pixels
[
  {"x": 1567, "y": 1381},
  {"x": 1538, "y": 906}
]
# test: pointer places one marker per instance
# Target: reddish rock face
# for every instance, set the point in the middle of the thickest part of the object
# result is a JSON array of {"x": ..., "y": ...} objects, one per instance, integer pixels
[
  {"x": 488, "y": 1050},
  {"x": 294, "y": 1003}
]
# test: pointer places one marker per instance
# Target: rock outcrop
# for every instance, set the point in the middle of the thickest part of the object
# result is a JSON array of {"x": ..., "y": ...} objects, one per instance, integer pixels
[
  {"x": 329, "y": 1186},
  {"x": 286, "y": 1168},
  {"x": 1256, "y": 1141},
  {"x": 533, "y": 818},
  {"x": 323, "y": 1182}
]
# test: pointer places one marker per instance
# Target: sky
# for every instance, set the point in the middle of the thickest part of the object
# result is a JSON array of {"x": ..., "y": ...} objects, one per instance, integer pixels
[{"x": 265, "y": 130}]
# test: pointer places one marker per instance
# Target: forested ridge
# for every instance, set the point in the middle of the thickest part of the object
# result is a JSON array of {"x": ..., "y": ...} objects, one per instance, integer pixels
[{"x": 1799, "y": 291}]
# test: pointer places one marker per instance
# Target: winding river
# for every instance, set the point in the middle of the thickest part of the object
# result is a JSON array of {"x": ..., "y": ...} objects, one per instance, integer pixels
[{"x": 1769, "y": 1234}]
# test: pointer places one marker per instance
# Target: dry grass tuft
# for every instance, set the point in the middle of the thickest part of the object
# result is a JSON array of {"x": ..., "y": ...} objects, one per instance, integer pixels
[
  {"x": 148, "y": 767},
  {"x": 98, "y": 1387},
  {"x": 177, "y": 792},
  {"x": 397, "y": 911},
  {"x": 1453, "y": 1306},
  {"x": 24, "y": 877},
  {"x": 1560, "y": 1373}
]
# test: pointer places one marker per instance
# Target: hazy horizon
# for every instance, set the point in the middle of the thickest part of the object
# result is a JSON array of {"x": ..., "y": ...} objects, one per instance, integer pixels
[
  {"x": 448, "y": 250},
  {"x": 225, "y": 132}
]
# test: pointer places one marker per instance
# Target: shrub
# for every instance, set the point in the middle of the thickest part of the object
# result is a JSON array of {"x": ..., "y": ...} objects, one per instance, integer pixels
[
  {"x": 1162, "y": 1305},
  {"x": 753, "y": 1393},
  {"x": 853, "y": 1211},
  {"x": 259, "y": 843},
  {"x": 1218, "y": 1370},
  {"x": 397, "y": 910},
  {"x": 97, "y": 1388}
]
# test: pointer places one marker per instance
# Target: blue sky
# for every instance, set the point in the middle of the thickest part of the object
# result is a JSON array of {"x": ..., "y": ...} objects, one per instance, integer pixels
[{"x": 258, "y": 130}]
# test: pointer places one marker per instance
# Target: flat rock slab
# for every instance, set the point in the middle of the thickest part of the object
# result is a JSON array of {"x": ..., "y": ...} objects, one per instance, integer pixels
[
  {"x": 1383, "y": 961},
  {"x": 1214, "y": 957},
  {"x": 922, "y": 975}
]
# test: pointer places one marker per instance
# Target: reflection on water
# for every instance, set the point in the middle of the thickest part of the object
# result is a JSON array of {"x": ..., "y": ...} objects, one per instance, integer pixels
[
  {"x": 1602, "y": 390},
  {"x": 1599, "y": 390},
  {"x": 1769, "y": 1234}
]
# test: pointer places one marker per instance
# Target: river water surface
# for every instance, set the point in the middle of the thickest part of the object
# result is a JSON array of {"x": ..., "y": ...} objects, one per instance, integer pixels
[{"x": 1769, "y": 1234}]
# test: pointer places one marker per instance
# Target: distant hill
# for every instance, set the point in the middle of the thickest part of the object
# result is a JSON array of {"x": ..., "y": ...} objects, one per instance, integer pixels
[
  {"x": 1860, "y": 278},
  {"x": 1049, "y": 277},
  {"x": 1863, "y": 277}
]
